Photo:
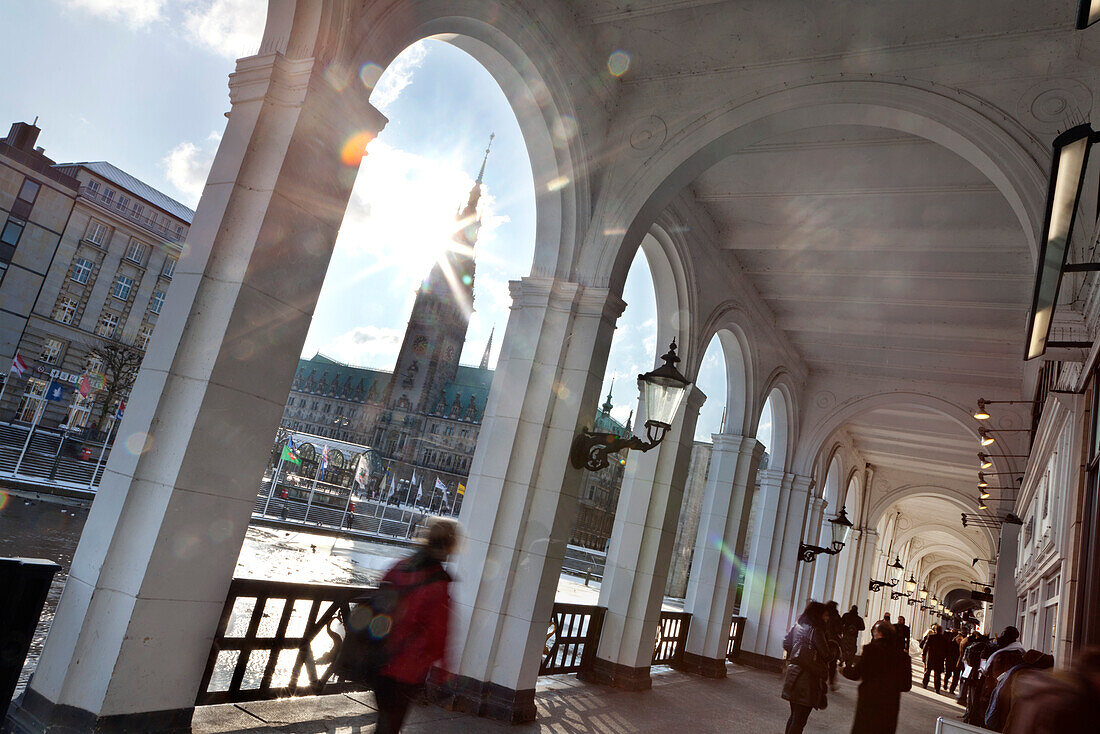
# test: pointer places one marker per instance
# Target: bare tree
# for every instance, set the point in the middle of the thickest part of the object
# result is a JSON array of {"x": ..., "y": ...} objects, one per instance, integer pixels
[{"x": 120, "y": 367}]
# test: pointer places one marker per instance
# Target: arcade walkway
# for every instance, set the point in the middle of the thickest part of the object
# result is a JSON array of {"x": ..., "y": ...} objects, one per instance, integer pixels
[{"x": 748, "y": 700}]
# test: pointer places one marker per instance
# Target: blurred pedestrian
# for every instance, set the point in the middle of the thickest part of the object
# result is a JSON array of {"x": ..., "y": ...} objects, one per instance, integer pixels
[
  {"x": 834, "y": 630},
  {"x": 805, "y": 684},
  {"x": 418, "y": 637},
  {"x": 1003, "y": 694},
  {"x": 902, "y": 634},
  {"x": 1067, "y": 703},
  {"x": 934, "y": 651},
  {"x": 851, "y": 624},
  {"x": 884, "y": 672}
]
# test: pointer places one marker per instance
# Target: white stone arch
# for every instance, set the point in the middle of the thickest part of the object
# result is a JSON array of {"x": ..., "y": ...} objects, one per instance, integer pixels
[
  {"x": 784, "y": 418},
  {"x": 526, "y": 56},
  {"x": 725, "y": 325},
  {"x": 670, "y": 269},
  {"x": 1002, "y": 149},
  {"x": 821, "y": 434}
]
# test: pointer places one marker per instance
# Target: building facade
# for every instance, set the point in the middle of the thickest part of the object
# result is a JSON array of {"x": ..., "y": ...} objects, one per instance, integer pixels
[
  {"x": 89, "y": 253},
  {"x": 36, "y": 201}
]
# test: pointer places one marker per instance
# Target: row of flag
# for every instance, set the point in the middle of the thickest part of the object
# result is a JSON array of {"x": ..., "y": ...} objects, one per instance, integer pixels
[{"x": 86, "y": 384}]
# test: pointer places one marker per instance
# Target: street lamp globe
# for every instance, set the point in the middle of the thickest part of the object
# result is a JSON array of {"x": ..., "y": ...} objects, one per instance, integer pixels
[
  {"x": 841, "y": 526},
  {"x": 664, "y": 389},
  {"x": 911, "y": 584}
]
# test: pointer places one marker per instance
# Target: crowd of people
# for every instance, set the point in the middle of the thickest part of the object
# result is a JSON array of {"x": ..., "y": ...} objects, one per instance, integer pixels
[{"x": 1002, "y": 686}]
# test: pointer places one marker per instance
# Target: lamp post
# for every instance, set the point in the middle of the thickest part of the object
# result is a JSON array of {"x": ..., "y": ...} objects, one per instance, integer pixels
[
  {"x": 664, "y": 389},
  {"x": 894, "y": 570},
  {"x": 841, "y": 526},
  {"x": 910, "y": 587}
]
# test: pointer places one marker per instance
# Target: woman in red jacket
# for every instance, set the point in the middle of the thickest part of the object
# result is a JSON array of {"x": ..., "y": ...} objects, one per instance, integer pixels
[{"x": 419, "y": 635}]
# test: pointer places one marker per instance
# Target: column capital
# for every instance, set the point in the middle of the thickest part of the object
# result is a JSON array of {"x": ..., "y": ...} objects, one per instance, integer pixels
[
  {"x": 817, "y": 504},
  {"x": 799, "y": 483},
  {"x": 747, "y": 445},
  {"x": 563, "y": 295},
  {"x": 695, "y": 399}
]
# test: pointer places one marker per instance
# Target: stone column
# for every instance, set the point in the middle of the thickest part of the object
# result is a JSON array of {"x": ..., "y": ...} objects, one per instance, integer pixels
[
  {"x": 774, "y": 566},
  {"x": 868, "y": 541},
  {"x": 1004, "y": 591},
  {"x": 716, "y": 565},
  {"x": 521, "y": 497},
  {"x": 641, "y": 548},
  {"x": 815, "y": 575},
  {"x": 134, "y": 625}
]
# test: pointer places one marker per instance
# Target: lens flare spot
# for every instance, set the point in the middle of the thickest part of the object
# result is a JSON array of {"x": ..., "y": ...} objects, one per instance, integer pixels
[
  {"x": 614, "y": 231},
  {"x": 355, "y": 148},
  {"x": 138, "y": 443},
  {"x": 369, "y": 74},
  {"x": 622, "y": 461},
  {"x": 618, "y": 62},
  {"x": 380, "y": 626},
  {"x": 557, "y": 184},
  {"x": 564, "y": 130},
  {"x": 4, "y": 499},
  {"x": 467, "y": 280}
]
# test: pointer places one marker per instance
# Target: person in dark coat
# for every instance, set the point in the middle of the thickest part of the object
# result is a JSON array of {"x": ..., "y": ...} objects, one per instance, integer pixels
[
  {"x": 1067, "y": 703},
  {"x": 902, "y": 634},
  {"x": 834, "y": 631},
  {"x": 950, "y": 663},
  {"x": 884, "y": 672},
  {"x": 419, "y": 635},
  {"x": 851, "y": 624},
  {"x": 805, "y": 680},
  {"x": 1001, "y": 701},
  {"x": 934, "y": 652}
]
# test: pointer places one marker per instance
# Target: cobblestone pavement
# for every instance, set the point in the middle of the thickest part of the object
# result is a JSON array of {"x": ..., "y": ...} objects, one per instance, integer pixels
[{"x": 747, "y": 701}]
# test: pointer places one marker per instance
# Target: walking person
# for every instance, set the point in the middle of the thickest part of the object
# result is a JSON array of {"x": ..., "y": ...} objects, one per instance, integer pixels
[
  {"x": 902, "y": 634},
  {"x": 851, "y": 624},
  {"x": 419, "y": 635},
  {"x": 950, "y": 663},
  {"x": 884, "y": 672},
  {"x": 805, "y": 680},
  {"x": 934, "y": 651},
  {"x": 833, "y": 633}
]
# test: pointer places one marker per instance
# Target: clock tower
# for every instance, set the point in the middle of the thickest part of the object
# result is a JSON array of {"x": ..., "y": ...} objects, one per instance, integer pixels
[{"x": 440, "y": 317}]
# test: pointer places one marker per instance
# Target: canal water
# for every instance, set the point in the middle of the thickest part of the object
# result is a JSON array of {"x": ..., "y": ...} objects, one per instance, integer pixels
[{"x": 49, "y": 527}]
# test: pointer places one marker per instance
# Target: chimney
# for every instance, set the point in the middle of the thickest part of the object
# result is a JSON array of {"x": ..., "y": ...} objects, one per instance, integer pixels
[{"x": 23, "y": 136}]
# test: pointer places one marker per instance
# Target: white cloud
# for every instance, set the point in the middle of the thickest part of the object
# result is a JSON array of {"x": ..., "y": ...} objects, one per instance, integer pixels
[
  {"x": 134, "y": 13},
  {"x": 398, "y": 75},
  {"x": 187, "y": 165},
  {"x": 231, "y": 28},
  {"x": 365, "y": 345}
]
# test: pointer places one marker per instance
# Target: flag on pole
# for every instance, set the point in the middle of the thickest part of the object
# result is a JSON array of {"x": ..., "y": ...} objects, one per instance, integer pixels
[
  {"x": 461, "y": 489},
  {"x": 324, "y": 463},
  {"x": 18, "y": 366},
  {"x": 55, "y": 392},
  {"x": 419, "y": 492},
  {"x": 120, "y": 410},
  {"x": 91, "y": 382},
  {"x": 446, "y": 500},
  {"x": 290, "y": 453},
  {"x": 362, "y": 472},
  {"x": 393, "y": 486}
]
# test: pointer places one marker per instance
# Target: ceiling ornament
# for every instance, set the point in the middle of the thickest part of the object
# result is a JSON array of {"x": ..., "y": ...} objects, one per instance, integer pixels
[
  {"x": 1054, "y": 105},
  {"x": 648, "y": 134}
]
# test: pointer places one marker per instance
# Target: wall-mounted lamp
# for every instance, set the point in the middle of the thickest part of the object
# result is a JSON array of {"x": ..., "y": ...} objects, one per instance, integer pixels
[
  {"x": 1067, "y": 174},
  {"x": 923, "y": 592},
  {"x": 841, "y": 526},
  {"x": 985, "y": 435},
  {"x": 984, "y": 461},
  {"x": 982, "y": 414},
  {"x": 664, "y": 390}
]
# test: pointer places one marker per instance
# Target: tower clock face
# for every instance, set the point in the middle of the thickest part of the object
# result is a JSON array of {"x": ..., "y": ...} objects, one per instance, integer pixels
[{"x": 420, "y": 345}]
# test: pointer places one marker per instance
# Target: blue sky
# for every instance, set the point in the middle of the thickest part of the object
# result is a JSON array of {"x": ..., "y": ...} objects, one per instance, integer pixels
[{"x": 143, "y": 84}]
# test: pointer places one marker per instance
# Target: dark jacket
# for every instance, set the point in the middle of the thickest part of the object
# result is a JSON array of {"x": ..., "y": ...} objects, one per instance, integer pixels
[
  {"x": 852, "y": 623},
  {"x": 805, "y": 680},
  {"x": 935, "y": 649},
  {"x": 902, "y": 634},
  {"x": 884, "y": 672},
  {"x": 419, "y": 636}
]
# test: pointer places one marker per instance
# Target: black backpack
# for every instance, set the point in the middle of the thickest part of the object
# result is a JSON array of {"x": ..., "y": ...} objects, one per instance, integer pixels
[{"x": 367, "y": 625}]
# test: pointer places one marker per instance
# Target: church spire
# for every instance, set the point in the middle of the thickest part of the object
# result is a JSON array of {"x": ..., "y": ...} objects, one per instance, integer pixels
[
  {"x": 475, "y": 192},
  {"x": 607, "y": 406},
  {"x": 488, "y": 348}
]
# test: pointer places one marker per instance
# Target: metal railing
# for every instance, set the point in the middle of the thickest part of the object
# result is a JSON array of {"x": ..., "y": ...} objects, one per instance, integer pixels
[
  {"x": 572, "y": 638},
  {"x": 275, "y": 640},
  {"x": 668, "y": 648},
  {"x": 126, "y": 211},
  {"x": 737, "y": 633}
]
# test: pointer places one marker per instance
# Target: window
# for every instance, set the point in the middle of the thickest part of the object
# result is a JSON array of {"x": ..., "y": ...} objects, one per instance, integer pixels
[
  {"x": 82, "y": 270},
  {"x": 65, "y": 311},
  {"x": 93, "y": 363},
  {"x": 97, "y": 233},
  {"x": 107, "y": 325},
  {"x": 31, "y": 398},
  {"x": 9, "y": 238},
  {"x": 51, "y": 351},
  {"x": 108, "y": 194},
  {"x": 123, "y": 202},
  {"x": 137, "y": 209},
  {"x": 29, "y": 191},
  {"x": 136, "y": 252},
  {"x": 157, "y": 303},
  {"x": 143, "y": 337},
  {"x": 93, "y": 186},
  {"x": 122, "y": 288},
  {"x": 169, "y": 268}
]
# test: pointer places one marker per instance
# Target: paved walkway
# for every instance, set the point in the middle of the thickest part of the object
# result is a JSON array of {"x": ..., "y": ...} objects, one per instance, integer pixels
[{"x": 747, "y": 701}]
